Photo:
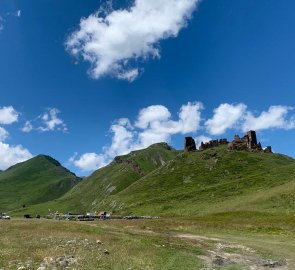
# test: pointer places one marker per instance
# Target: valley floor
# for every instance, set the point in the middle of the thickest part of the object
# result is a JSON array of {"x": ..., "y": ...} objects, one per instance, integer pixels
[{"x": 168, "y": 243}]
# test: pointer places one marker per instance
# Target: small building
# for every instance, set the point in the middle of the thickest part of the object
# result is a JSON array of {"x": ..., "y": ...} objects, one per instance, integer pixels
[{"x": 104, "y": 215}]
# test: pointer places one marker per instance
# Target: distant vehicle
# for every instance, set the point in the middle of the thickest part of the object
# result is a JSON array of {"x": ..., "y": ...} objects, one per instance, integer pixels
[
  {"x": 4, "y": 216},
  {"x": 85, "y": 218}
]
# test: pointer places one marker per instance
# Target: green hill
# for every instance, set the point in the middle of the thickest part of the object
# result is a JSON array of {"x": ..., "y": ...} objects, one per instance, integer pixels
[
  {"x": 37, "y": 180},
  {"x": 211, "y": 181},
  {"x": 162, "y": 181},
  {"x": 110, "y": 180}
]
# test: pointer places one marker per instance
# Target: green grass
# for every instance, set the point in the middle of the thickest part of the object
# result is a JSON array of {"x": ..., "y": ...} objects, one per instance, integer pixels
[
  {"x": 211, "y": 181},
  {"x": 37, "y": 180},
  {"x": 35, "y": 240},
  {"x": 160, "y": 181},
  {"x": 147, "y": 244}
]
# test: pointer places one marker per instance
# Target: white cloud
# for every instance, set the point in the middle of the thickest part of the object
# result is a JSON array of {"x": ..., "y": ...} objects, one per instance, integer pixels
[
  {"x": 275, "y": 117},
  {"x": 3, "y": 134},
  {"x": 157, "y": 124},
  {"x": 10, "y": 155},
  {"x": 8, "y": 115},
  {"x": 28, "y": 127},
  {"x": 51, "y": 121},
  {"x": 123, "y": 137},
  {"x": 153, "y": 125},
  {"x": 225, "y": 116},
  {"x": 88, "y": 161},
  {"x": 112, "y": 40},
  {"x": 237, "y": 116},
  {"x": 151, "y": 114}
]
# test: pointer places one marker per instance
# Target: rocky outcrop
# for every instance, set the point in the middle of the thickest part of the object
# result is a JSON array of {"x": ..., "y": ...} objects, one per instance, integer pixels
[{"x": 189, "y": 144}]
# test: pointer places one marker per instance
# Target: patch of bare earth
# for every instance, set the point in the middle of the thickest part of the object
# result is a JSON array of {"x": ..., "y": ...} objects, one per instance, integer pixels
[
  {"x": 221, "y": 254},
  {"x": 230, "y": 254}
]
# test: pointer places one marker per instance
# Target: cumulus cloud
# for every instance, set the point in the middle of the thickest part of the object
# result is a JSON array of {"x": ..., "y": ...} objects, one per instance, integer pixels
[
  {"x": 3, "y": 134},
  {"x": 153, "y": 125},
  {"x": 237, "y": 116},
  {"x": 275, "y": 117},
  {"x": 152, "y": 114},
  {"x": 157, "y": 125},
  {"x": 123, "y": 136},
  {"x": 112, "y": 41},
  {"x": 8, "y": 115},
  {"x": 28, "y": 127},
  {"x": 51, "y": 121},
  {"x": 225, "y": 116},
  {"x": 9, "y": 154},
  {"x": 88, "y": 161}
]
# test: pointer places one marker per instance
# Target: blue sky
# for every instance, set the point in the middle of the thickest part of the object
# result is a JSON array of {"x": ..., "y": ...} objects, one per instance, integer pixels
[{"x": 141, "y": 72}]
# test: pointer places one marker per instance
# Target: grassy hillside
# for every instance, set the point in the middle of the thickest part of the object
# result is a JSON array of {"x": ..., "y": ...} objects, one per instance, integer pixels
[
  {"x": 110, "y": 180},
  {"x": 211, "y": 181},
  {"x": 37, "y": 180}
]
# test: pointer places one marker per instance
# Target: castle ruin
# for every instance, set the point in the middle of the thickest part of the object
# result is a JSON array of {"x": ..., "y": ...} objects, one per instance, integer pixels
[{"x": 248, "y": 143}]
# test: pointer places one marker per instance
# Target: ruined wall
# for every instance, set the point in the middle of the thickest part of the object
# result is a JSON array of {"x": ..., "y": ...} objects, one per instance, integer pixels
[{"x": 213, "y": 143}]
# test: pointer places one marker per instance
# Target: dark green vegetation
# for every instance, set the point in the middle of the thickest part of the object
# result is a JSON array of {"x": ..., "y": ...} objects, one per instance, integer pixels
[{"x": 37, "y": 180}]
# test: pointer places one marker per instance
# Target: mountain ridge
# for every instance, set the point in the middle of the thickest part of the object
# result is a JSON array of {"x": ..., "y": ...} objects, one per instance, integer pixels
[
  {"x": 160, "y": 180},
  {"x": 36, "y": 180},
  {"x": 113, "y": 178}
]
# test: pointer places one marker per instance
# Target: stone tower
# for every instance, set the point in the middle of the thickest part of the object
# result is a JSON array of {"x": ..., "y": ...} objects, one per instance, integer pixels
[
  {"x": 252, "y": 140},
  {"x": 189, "y": 144}
]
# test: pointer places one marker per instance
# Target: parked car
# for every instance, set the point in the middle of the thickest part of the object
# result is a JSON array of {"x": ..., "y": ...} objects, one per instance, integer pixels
[{"x": 4, "y": 216}]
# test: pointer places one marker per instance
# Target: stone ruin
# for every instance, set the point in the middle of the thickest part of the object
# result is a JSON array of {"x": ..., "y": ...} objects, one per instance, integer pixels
[
  {"x": 212, "y": 143},
  {"x": 248, "y": 142},
  {"x": 267, "y": 149},
  {"x": 189, "y": 144}
]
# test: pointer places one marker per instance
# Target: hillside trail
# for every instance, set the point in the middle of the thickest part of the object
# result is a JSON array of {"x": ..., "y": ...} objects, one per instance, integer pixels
[{"x": 218, "y": 253}]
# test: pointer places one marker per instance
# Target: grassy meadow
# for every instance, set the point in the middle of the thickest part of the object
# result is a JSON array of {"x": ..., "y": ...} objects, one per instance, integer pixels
[{"x": 212, "y": 242}]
